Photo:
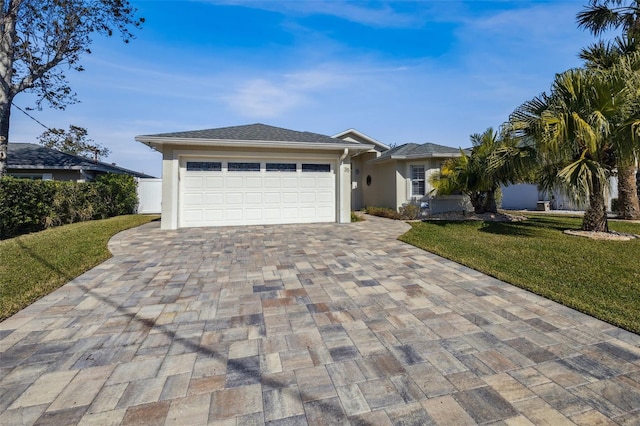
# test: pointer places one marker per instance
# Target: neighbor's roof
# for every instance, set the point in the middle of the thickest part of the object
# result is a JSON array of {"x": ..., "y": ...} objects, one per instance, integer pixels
[
  {"x": 413, "y": 150},
  {"x": 253, "y": 135},
  {"x": 30, "y": 156}
]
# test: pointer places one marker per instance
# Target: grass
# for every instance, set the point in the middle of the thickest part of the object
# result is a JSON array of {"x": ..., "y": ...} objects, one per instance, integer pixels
[
  {"x": 33, "y": 265},
  {"x": 599, "y": 278}
]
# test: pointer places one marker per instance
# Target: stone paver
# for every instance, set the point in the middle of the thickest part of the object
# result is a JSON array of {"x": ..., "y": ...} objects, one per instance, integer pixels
[{"x": 306, "y": 324}]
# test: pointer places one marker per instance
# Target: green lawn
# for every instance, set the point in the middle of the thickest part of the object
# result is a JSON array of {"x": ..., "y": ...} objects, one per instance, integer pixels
[
  {"x": 33, "y": 265},
  {"x": 600, "y": 278}
]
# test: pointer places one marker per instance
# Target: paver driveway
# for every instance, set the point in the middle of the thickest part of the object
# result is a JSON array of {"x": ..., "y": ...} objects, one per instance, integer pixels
[{"x": 318, "y": 324}]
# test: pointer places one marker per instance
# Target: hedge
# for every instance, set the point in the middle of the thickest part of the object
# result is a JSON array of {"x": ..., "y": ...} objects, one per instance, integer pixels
[{"x": 33, "y": 205}]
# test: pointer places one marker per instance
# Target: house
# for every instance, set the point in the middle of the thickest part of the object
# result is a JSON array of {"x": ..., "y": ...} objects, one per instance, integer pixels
[
  {"x": 33, "y": 161},
  {"x": 252, "y": 175},
  {"x": 258, "y": 174},
  {"x": 527, "y": 196}
]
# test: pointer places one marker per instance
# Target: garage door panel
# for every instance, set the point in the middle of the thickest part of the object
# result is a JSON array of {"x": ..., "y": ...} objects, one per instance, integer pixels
[
  {"x": 290, "y": 182},
  {"x": 214, "y": 214},
  {"x": 214, "y": 198},
  {"x": 307, "y": 197},
  {"x": 233, "y": 198},
  {"x": 222, "y": 198},
  {"x": 289, "y": 212},
  {"x": 253, "y": 182},
  {"x": 194, "y": 183},
  {"x": 272, "y": 198},
  {"x": 234, "y": 182},
  {"x": 307, "y": 212},
  {"x": 213, "y": 182},
  {"x": 307, "y": 182},
  {"x": 324, "y": 197},
  {"x": 272, "y": 183},
  {"x": 272, "y": 213},
  {"x": 191, "y": 200},
  {"x": 290, "y": 198},
  {"x": 253, "y": 198}
]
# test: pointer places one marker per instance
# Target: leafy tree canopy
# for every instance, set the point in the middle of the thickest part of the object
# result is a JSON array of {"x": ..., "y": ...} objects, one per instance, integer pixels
[{"x": 74, "y": 141}]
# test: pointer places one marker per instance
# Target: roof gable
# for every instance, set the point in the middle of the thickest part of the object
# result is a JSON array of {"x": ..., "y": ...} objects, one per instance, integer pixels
[{"x": 357, "y": 136}]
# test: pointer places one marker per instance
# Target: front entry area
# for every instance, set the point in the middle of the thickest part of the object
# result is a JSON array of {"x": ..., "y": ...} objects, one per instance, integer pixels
[{"x": 225, "y": 192}]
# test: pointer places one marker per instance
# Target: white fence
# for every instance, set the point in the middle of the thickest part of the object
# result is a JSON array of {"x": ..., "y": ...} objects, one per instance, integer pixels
[{"x": 149, "y": 195}]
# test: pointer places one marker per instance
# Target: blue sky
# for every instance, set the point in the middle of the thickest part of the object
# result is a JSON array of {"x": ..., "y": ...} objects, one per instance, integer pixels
[{"x": 426, "y": 71}]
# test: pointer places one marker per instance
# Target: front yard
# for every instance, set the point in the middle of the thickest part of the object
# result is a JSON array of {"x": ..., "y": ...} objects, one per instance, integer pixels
[
  {"x": 33, "y": 265},
  {"x": 600, "y": 278}
]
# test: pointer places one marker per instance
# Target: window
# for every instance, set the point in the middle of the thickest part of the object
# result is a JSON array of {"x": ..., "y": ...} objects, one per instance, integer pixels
[
  {"x": 204, "y": 166},
  {"x": 281, "y": 167},
  {"x": 417, "y": 181},
  {"x": 326, "y": 168},
  {"x": 244, "y": 167}
]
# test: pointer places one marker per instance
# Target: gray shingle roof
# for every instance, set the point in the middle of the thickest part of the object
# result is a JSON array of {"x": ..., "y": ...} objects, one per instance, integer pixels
[
  {"x": 254, "y": 132},
  {"x": 414, "y": 150},
  {"x": 30, "y": 156}
]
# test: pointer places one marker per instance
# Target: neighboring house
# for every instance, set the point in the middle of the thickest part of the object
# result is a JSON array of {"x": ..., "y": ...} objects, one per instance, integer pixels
[
  {"x": 32, "y": 161},
  {"x": 253, "y": 175},
  {"x": 258, "y": 174},
  {"x": 527, "y": 196}
]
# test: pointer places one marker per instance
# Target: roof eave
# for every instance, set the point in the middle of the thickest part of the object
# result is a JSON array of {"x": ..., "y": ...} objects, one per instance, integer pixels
[
  {"x": 415, "y": 157},
  {"x": 158, "y": 142}
]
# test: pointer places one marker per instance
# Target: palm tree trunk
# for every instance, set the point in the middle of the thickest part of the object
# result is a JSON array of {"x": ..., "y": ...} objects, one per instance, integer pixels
[
  {"x": 628, "y": 193},
  {"x": 595, "y": 218},
  {"x": 490, "y": 204}
]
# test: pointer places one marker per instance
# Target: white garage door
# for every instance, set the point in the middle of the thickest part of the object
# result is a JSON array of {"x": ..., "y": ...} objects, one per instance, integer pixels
[{"x": 223, "y": 193}]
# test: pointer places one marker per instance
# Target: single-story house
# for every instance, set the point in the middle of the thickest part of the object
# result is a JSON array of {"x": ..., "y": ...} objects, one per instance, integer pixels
[
  {"x": 33, "y": 161},
  {"x": 527, "y": 196},
  {"x": 258, "y": 174},
  {"x": 253, "y": 175}
]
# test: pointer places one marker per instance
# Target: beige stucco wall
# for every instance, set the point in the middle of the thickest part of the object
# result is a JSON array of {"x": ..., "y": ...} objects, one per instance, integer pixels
[{"x": 383, "y": 188}]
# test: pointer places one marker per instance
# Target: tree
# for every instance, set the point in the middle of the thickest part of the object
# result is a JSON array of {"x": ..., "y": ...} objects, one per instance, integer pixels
[
  {"x": 40, "y": 38},
  {"x": 599, "y": 16},
  {"x": 495, "y": 160},
  {"x": 74, "y": 141},
  {"x": 589, "y": 121}
]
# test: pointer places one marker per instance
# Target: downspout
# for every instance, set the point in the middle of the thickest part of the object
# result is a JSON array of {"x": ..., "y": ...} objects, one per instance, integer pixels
[{"x": 341, "y": 185}]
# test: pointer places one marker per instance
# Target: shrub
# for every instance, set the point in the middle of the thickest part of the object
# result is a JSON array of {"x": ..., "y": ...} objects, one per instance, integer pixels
[
  {"x": 24, "y": 205},
  {"x": 118, "y": 193},
  {"x": 409, "y": 211},
  {"x": 356, "y": 218},
  {"x": 33, "y": 205},
  {"x": 383, "y": 212}
]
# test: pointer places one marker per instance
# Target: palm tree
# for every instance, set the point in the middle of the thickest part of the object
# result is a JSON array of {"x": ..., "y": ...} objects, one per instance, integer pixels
[
  {"x": 495, "y": 160},
  {"x": 589, "y": 121},
  {"x": 599, "y": 16}
]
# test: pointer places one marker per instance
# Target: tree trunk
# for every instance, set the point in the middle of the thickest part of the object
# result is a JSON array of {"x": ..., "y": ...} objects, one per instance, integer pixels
[
  {"x": 5, "y": 113},
  {"x": 477, "y": 201},
  {"x": 490, "y": 202},
  {"x": 628, "y": 193},
  {"x": 595, "y": 218}
]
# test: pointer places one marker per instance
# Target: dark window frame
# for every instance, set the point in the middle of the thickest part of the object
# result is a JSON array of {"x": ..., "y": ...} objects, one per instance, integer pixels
[
  {"x": 198, "y": 166},
  {"x": 281, "y": 167},
  {"x": 243, "y": 166},
  {"x": 316, "y": 168}
]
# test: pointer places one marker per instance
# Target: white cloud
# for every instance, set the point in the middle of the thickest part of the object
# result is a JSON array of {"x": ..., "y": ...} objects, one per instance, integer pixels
[
  {"x": 269, "y": 98},
  {"x": 375, "y": 14}
]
